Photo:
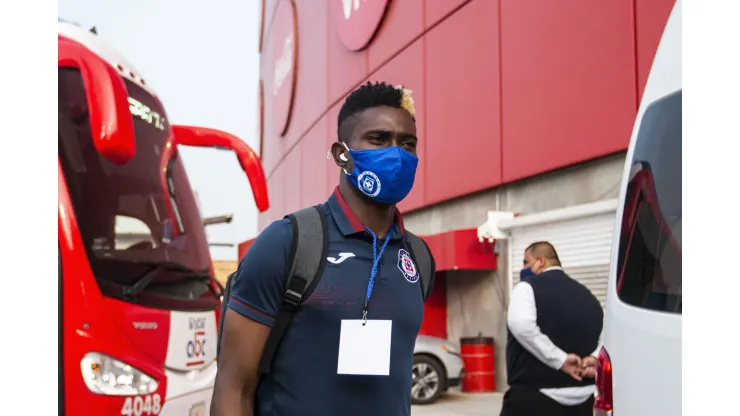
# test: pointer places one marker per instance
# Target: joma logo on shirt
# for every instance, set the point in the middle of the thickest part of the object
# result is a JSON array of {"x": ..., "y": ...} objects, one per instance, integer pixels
[{"x": 342, "y": 257}]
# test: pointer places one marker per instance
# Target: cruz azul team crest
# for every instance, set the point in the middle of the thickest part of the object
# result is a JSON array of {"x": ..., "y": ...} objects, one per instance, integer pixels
[
  {"x": 407, "y": 266},
  {"x": 369, "y": 183}
]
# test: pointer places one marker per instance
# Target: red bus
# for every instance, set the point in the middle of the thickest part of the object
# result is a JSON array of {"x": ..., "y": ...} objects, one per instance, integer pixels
[{"x": 138, "y": 302}]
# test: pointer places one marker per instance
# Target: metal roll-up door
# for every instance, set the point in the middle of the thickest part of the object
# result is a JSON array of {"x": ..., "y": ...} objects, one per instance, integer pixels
[{"x": 584, "y": 245}]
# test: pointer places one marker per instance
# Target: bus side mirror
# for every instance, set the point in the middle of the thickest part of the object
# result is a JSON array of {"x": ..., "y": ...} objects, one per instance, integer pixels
[
  {"x": 248, "y": 159},
  {"x": 111, "y": 124},
  {"x": 205, "y": 137}
]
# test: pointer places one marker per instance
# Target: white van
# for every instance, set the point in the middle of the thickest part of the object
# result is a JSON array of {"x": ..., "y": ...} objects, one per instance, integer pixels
[{"x": 640, "y": 372}]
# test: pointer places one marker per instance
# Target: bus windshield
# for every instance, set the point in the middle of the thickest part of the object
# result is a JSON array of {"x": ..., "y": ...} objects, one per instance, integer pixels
[{"x": 120, "y": 210}]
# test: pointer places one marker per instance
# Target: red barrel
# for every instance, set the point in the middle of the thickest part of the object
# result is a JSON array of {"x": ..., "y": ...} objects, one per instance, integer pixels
[{"x": 478, "y": 358}]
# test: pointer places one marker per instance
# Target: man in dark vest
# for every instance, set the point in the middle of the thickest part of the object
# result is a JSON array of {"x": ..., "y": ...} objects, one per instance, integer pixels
[{"x": 555, "y": 326}]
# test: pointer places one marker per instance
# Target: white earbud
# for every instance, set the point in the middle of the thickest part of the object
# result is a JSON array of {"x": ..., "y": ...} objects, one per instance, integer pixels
[{"x": 342, "y": 157}]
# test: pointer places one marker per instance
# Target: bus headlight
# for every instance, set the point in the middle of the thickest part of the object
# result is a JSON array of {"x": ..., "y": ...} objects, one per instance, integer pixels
[{"x": 106, "y": 375}]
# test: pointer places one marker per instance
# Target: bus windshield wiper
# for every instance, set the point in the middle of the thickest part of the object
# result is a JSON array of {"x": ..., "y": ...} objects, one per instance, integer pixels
[
  {"x": 147, "y": 278},
  {"x": 198, "y": 277}
]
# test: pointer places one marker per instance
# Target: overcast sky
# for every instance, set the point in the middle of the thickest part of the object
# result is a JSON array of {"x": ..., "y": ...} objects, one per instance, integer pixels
[{"x": 202, "y": 59}]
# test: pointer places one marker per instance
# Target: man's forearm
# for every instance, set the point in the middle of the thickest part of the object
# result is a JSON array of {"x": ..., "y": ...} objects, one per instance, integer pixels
[
  {"x": 522, "y": 322},
  {"x": 542, "y": 348},
  {"x": 231, "y": 402}
]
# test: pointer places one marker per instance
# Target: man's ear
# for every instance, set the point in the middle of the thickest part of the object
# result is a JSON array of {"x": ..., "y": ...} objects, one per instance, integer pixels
[
  {"x": 543, "y": 262},
  {"x": 533, "y": 265},
  {"x": 341, "y": 156}
]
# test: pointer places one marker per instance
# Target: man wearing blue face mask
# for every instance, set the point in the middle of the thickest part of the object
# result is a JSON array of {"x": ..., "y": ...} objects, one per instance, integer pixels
[{"x": 348, "y": 349}]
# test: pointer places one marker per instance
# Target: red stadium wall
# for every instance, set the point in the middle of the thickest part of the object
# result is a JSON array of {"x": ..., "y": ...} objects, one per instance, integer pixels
[{"x": 504, "y": 89}]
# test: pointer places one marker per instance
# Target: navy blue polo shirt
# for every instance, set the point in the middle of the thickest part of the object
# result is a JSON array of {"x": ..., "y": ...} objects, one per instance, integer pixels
[{"x": 303, "y": 378}]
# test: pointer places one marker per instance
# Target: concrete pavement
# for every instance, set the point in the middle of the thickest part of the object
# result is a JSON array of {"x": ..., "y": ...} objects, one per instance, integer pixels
[{"x": 455, "y": 403}]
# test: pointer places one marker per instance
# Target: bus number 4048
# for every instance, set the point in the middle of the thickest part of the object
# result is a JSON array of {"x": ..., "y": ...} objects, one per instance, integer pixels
[{"x": 151, "y": 404}]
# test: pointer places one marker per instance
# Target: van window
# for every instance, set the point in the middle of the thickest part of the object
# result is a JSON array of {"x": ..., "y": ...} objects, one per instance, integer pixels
[{"x": 649, "y": 261}]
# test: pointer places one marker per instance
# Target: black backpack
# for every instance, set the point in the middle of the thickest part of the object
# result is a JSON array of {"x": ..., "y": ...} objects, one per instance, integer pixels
[{"x": 307, "y": 260}]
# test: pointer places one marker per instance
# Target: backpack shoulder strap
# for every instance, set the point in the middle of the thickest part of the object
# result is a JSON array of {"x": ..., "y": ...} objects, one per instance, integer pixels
[
  {"x": 305, "y": 267},
  {"x": 424, "y": 261},
  {"x": 225, "y": 293}
]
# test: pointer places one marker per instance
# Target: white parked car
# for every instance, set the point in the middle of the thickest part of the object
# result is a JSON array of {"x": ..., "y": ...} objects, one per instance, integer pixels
[
  {"x": 437, "y": 367},
  {"x": 640, "y": 372}
]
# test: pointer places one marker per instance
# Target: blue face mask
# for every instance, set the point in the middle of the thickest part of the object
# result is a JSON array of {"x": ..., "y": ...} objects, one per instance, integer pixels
[
  {"x": 385, "y": 175},
  {"x": 526, "y": 273}
]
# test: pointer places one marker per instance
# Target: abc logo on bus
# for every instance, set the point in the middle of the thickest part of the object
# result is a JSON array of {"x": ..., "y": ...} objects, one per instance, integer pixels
[{"x": 196, "y": 347}]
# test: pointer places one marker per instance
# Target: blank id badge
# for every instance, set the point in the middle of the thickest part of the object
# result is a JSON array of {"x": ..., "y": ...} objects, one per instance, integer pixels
[{"x": 365, "y": 349}]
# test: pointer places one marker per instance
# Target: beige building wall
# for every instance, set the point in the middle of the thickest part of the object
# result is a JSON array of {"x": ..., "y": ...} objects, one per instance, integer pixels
[{"x": 223, "y": 268}]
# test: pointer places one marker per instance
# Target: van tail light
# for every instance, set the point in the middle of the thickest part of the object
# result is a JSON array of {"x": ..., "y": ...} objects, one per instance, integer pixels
[{"x": 604, "y": 403}]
